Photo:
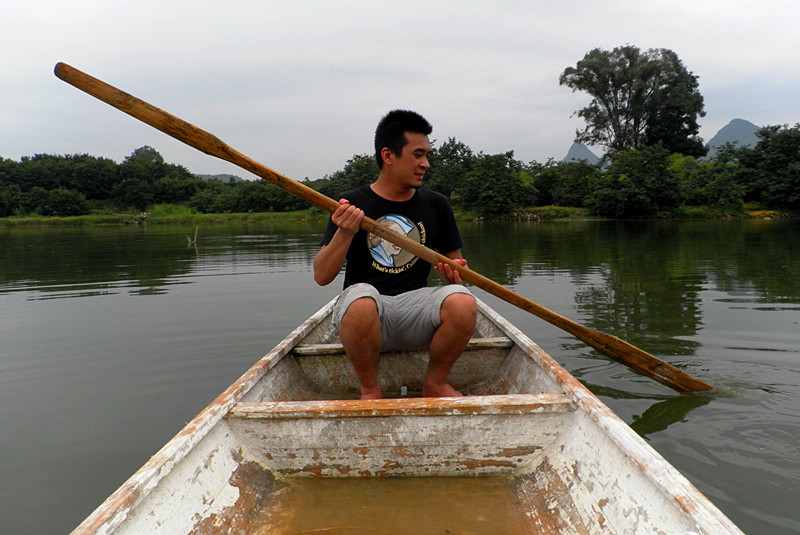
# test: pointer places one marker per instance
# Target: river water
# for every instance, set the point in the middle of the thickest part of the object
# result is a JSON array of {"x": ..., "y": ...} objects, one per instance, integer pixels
[{"x": 112, "y": 338}]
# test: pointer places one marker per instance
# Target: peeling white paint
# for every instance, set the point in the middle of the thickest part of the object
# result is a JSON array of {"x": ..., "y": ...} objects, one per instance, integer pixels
[{"x": 576, "y": 466}]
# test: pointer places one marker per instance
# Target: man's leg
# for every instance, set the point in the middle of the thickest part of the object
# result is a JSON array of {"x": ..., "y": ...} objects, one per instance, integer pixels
[
  {"x": 458, "y": 313},
  {"x": 360, "y": 333}
]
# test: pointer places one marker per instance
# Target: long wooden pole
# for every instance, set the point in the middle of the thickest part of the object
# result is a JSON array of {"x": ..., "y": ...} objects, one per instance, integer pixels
[{"x": 610, "y": 346}]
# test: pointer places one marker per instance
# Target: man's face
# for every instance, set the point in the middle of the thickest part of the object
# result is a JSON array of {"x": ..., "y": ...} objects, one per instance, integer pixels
[{"x": 412, "y": 162}]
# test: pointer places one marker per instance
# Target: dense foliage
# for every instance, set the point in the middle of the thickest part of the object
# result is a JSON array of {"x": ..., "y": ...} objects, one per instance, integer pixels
[
  {"x": 769, "y": 172},
  {"x": 635, "y": 183},
  {"x": 638, "y": 99},
  {"x": 644, "y": 110},
  {"x": 50, "y": 185}
]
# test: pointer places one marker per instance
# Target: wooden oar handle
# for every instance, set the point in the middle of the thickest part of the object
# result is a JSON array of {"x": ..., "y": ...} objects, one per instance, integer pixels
[
  {"x": 212, "y": 145},
  {"x": 185, "y": 132},
  {"x": 203, "y": 141}
]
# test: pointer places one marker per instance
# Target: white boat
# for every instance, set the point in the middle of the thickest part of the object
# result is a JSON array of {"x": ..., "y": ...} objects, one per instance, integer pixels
[{"x": 287, "y": 449}]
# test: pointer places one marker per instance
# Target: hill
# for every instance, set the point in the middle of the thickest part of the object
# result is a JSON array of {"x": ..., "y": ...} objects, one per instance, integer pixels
[
  {"x": 738, "y": 131},
  {"x": 578, "y": 152},
  {"x": 221, "y": 178}
]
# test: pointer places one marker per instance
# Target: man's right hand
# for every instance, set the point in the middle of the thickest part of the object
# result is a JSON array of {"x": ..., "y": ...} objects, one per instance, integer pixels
[
  {"x": 331, "y": 257},
  {"x": 347, "y": 217}
]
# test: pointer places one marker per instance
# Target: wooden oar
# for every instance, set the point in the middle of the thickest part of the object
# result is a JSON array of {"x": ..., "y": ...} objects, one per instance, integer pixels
[{"x": 610, "y": 346}]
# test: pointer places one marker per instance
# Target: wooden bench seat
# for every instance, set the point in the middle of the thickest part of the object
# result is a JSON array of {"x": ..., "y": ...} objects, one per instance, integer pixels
[{"x": 500, "y": 342}]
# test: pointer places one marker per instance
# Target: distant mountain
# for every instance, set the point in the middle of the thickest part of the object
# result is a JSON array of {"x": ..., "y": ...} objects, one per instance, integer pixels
[
  {"x": 578, "y": 152},
  {"x": 221, "y": 178},
  {"x": 738, "y": 131}
]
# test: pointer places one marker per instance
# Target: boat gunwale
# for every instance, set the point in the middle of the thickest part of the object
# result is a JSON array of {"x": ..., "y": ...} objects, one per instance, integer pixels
[
  {"x": 650, "y": 463},
  {"x": 116, "y": 508},
  {"x": 653, "y": 467}
]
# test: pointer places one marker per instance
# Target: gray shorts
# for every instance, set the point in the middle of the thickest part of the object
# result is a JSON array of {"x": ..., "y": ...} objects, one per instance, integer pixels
[{"x": 408, "y": 320}]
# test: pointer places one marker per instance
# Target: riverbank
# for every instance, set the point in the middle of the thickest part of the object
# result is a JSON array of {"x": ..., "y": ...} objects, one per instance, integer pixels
[
  {"x": 160, "y": 216},
  {"x": 179, "y": 215}
]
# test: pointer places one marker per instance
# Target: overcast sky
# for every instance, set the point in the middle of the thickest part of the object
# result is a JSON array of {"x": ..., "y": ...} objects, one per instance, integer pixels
[{"x": 299, "y": 85}]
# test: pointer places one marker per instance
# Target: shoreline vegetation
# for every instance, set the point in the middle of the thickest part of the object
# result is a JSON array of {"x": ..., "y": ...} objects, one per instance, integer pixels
[
  {"x": 649, "y": 183},
  {"x": 168, "y": 214}
]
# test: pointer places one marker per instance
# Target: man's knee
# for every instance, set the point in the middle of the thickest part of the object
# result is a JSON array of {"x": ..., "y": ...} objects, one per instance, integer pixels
[
  {"x": 461, "y": 308},
  {"x": 365, "y": 293},
  {"x": 363, "y": 307},
  {"x": 361, "y": 318}
]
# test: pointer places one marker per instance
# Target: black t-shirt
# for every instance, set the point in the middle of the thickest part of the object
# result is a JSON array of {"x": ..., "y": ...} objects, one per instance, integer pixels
[{"x": 426, "y": 218}]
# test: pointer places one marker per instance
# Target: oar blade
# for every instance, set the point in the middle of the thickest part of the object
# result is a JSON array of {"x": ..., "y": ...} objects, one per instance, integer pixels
[{"x": 645, "y": 363}]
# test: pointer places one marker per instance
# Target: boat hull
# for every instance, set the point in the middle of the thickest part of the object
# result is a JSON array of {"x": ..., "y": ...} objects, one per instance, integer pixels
[{"x": 568, "y": 462}]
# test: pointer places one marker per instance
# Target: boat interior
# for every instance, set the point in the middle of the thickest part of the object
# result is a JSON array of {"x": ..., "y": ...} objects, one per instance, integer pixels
[{"x": 288, "y": 449}]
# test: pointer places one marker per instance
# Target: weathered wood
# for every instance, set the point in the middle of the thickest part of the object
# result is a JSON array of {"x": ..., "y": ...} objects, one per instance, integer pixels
[
  {"x": 383, "y": 408},
  {"x": 485, "y": 435},
  {"x": 571, "y": 464},
  {"x": 499, "y": 342},
  {"x": 611, "y": 346}
]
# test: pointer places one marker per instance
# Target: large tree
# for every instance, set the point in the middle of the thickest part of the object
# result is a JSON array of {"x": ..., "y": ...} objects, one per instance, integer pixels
[
  {"x": 638, "y": 99},
  {"x": 493, "y": 185},
  {"x": 449, "y": 165},
  {"x": 769, "y": 172}
]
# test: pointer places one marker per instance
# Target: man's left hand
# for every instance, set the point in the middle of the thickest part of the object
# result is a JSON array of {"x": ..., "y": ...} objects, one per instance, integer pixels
[{"x": 448, "y": 274}]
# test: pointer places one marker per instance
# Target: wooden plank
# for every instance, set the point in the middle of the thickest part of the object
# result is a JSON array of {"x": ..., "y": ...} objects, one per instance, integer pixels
[
  {"x": 354, "y": 408},
  {"x": 474, "y": 435},
  {"x": 499, "y": 342}
]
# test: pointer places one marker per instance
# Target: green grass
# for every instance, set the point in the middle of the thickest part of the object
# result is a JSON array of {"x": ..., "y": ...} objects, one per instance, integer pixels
[
  {"x": 74, "y": 221},
  {"x": 172, "y": 214},
  {"x": 167, "y": 214},
  {"x": 179, "y": 217},
  {"x": 548, "y": 213},
  {"x": 737, "y": 212}
]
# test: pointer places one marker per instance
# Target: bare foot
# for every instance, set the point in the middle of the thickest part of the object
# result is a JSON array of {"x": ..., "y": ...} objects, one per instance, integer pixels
[
  {"x": 371, "y": 393},
  {"x": 440, "y": 391}
]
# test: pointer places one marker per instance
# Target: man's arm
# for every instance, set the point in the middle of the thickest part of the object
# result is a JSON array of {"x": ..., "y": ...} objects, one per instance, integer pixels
[{"x": 331, "y": 257}]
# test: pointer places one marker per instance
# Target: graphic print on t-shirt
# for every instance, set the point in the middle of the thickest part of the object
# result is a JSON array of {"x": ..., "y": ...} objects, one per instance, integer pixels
[{"x": 384, "y": 252}]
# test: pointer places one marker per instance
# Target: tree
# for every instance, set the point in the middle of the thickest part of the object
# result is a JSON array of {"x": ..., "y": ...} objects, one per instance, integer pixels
[
  {"x": 92, "y": 176},
  {"x": 637, "y": 184},
  {"x": 770, "y": 171},
  {"x": 144, "y": 164},
  {"x": 10, "y": 198},
  {"x": 638, "y": 99},
  {"x": 174, "y": 189},
  {"x": 449, "y": 165},
  {"x": 360, "y": 170},
  {"x": 493, "y": 185},
  {"x": 563, "y": 183},
  {"x": 45, "y": 171},
  {"x": 706, "y": 183},
  {"x": 134, "y": 192},
  {"x": 64, "y": 202},
  {"x": 35, "y": 200},
  {"x": 9, "y": 171}
]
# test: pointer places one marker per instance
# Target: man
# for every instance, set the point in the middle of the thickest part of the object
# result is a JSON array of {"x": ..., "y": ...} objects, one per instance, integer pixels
[{"x": 386, "y": 303}]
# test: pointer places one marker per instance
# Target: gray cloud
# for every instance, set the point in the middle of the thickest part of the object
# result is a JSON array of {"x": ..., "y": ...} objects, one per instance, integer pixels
[{"x": 300, "y": 85}]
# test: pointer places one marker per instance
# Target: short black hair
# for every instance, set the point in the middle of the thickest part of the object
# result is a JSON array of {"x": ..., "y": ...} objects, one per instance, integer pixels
[{"x": 391, "y": 131}]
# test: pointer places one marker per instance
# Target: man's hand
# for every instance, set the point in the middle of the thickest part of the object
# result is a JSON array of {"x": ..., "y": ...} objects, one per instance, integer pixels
[
  {"x": 448, "y": 274},
  {"x": 347, "y": 217},
  {"x": 331, "y": 257}
]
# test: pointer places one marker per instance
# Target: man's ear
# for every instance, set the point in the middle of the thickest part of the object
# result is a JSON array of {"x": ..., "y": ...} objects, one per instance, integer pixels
[{"x": 387, "y": 156}]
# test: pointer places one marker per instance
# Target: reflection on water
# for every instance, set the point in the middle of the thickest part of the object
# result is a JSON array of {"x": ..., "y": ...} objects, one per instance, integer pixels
[
  {"x": 112, "y": 338},
  {"x": 661, "y": 415},
  {"x": 87, "y": 262},
  {"x": 646, "y": 282}
]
